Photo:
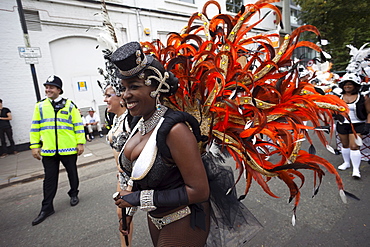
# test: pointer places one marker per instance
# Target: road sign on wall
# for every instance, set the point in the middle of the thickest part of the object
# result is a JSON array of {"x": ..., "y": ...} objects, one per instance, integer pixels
[
  {"x": 32, "y": 60},
  {"x": 29, "y": 52}
]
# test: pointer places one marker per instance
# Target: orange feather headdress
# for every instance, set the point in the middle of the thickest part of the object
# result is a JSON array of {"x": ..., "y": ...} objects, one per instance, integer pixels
[{"x": 238, "y": 95}]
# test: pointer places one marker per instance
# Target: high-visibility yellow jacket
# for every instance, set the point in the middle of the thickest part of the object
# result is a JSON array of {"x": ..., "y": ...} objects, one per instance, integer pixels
[{"x": 56, "y": 132}]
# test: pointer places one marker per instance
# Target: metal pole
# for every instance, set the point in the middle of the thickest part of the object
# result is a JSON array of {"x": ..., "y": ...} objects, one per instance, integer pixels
[{"x": 28, "y": 44}]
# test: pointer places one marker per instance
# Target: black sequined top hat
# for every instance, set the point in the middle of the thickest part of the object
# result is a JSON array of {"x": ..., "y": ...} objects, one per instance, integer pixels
[
  {"x": 55, "y": 81},
  {"x": 130, "y": 60}
]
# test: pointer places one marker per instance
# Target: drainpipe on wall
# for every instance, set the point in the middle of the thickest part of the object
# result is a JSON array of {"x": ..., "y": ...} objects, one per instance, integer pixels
[{"x": 139, "y": 27}]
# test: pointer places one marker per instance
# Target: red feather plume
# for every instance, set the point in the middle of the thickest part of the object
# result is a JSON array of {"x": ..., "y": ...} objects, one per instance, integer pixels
[{"x": 232, "y": 84}]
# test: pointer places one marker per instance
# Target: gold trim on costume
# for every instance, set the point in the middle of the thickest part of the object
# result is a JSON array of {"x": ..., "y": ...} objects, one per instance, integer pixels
[
  {"x": 133, "y": 71},
  {"x": 178, "y": 215}
]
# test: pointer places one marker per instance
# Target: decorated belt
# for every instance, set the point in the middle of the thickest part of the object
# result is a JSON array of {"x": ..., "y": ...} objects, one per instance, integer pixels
[{"x": 161, "y": 222}]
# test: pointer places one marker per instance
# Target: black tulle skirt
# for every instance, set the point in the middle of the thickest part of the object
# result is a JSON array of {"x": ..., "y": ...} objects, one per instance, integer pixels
[{"x": 232, "y": 224}]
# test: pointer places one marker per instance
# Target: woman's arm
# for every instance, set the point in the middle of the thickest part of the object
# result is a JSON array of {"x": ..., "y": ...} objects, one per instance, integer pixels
[{"x": 186, "y": 155}]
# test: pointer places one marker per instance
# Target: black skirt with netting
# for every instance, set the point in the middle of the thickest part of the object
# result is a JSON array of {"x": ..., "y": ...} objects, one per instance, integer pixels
[{"x": 232, "y": 224}]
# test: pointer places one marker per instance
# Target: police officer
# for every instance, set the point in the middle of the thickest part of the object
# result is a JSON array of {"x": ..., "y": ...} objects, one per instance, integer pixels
[{"x": 57, "y": 135}]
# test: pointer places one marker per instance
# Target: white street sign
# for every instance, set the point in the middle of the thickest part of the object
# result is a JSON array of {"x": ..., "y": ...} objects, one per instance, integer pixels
[
  {"x": 32, "y": 60},
  {"x": 29, "y": 52}
]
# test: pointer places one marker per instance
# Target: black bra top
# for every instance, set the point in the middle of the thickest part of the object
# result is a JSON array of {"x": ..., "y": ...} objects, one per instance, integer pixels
[{"x": 162, "y": 175}]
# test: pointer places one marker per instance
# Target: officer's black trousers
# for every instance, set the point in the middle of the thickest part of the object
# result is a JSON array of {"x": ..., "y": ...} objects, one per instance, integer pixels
[{"x": 50, "y": 184}]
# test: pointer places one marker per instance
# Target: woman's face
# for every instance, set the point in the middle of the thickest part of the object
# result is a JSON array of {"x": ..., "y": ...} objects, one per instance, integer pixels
[
  {"x": 137, "y": 97},
  {"x": 348, "y": 87},
  {"x": 112, "y": 100}
]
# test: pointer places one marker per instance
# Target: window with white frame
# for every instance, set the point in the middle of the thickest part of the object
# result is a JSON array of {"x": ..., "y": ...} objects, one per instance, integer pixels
[
  {"x": 32, "y": 20},
  {"x": 233, "y": 5},
  {"x": 294, "y": 16}
]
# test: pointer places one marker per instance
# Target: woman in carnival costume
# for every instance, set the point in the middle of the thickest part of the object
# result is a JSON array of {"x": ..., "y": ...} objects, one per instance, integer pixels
[
  {"x": 174, "y": 188},
  {"x": 122, "y": 121},
  {"x": 119, "y": 130},
  {"x": 117, "y": 137},
  {"x": 231, "y": 104},
  {"x": 350, "y": 130}
]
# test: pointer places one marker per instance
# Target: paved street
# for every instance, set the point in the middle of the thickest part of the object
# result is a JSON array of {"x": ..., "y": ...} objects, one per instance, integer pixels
[
  {"x": 321, "y": 221},
  {"x": 92, "y": 222},
  {"x": 22, "y": 167}
]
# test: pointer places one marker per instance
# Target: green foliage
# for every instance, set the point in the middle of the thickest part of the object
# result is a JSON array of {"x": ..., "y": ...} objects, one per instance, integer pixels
[{"x": 341, "y": 22}]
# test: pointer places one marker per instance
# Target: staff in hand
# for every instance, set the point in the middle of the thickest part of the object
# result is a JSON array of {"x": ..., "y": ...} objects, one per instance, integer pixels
[{"x": 124, "y": 221}]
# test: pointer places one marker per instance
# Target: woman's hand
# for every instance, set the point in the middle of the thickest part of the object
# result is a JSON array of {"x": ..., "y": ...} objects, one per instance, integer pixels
[
  {"x": 122, "y": 203},
  {"x": 128, "y": 220}
]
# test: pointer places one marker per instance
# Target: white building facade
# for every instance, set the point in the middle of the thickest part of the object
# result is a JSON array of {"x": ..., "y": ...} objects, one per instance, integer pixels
[{"x": 62, "y": 34}]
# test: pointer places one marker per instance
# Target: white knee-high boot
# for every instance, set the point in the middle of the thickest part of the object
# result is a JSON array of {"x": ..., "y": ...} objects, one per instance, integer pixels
[
  {"x": 346, "y": 154},
  {"x": 356, "y": 162}
]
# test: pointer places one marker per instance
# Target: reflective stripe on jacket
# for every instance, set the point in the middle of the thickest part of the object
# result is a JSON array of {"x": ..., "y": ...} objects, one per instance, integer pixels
[{"x": 60, "y": 132}]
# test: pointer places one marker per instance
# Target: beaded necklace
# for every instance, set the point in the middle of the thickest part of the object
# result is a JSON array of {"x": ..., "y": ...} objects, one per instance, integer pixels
[
  {"x": 118, "y": 140},
  {"x": 118, "y": 122},
  {"x": 148, "y": 125}
]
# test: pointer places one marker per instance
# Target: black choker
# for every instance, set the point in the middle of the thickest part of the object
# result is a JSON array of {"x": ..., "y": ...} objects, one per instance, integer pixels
[{"x": 151, "y": 123}]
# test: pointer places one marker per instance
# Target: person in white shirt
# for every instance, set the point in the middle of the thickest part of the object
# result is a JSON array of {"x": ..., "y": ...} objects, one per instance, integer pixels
[
  {"x": 92, "y": 122},
  {"x": 87, "y": 135}
]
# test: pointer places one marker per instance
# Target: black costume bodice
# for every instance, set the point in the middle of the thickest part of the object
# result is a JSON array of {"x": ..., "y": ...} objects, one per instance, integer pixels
[{"x": 161, "y": 176}]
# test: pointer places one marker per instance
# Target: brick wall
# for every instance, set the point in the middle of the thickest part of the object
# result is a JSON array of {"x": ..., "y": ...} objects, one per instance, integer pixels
[{"x": 68, "y": 21}]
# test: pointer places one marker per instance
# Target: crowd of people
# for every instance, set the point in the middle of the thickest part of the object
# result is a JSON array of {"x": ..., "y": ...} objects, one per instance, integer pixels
[
  {"x": 172, "y": 183},
  {"x": 353, "y": 88},
  {"x": 188, "y": 193}
]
